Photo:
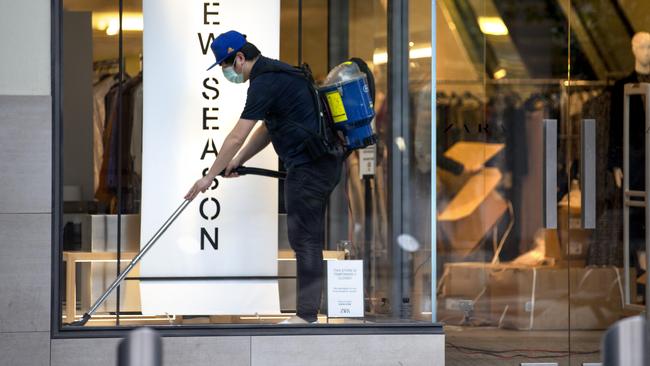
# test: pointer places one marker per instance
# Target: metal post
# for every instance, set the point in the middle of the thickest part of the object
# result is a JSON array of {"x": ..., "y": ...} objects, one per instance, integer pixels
[
  {"x": 588, "y": 173},
  {"x": 624, "y": 344},
  {"x": 398, "y": 62},
  {"x": 57, "y": 165},
  {"x": 550, "y": 174},
  {"x": 647, "y": 191},
  {"x": 338, "y": 39},
  {"x": 299, "y": 32},
  {"x": 634, "y": 198},
  {"x": 119, "y": 159},
  {"x": 367, "y": 237},
  {"x": 626, "y": 188},
  {"x": 142, "y": 347},
  {"x": 434, "y": 147}
]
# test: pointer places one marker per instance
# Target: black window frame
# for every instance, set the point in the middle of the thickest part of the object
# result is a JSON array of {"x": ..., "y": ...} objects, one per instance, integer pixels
[{"x": 397, "y": 29}]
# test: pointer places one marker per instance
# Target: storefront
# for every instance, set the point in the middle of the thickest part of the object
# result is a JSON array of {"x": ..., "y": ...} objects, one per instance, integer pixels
[
  {"x": 225, "y": 268},
  {"x": 498, "y": 220},
  {"x": 540, "y": 243}
]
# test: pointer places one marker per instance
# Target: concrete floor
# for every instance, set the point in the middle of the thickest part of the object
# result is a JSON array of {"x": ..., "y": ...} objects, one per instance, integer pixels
[{"x": 582, "y": 343}]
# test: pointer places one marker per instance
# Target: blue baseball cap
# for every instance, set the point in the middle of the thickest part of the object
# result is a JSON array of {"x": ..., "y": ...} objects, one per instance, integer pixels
[{"x": 226, "y": 45}]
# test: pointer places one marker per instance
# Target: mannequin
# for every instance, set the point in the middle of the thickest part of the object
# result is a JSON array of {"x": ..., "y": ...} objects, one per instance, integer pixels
[
  {"x": 636, "y": 178},
  {"x": 641, "y": 51}
]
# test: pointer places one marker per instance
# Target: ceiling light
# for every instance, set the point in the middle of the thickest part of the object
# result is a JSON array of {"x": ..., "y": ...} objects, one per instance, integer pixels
[
  {"x": 379, "y": 58},
  {"x": 110, "y": 22},
  {"x": 493, "y": 26},
  {"x": 420, "y": 52},
  {"x": 500, "y": 74}
]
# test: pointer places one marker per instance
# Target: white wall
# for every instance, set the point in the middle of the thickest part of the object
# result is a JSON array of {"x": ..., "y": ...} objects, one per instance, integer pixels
[
  {"x": 25, "y": 182},
  {"x": 25, "y": 45}
]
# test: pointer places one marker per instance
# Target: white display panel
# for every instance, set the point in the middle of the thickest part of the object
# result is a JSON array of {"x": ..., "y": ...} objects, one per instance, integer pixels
[{"x": 240, "y": 216}]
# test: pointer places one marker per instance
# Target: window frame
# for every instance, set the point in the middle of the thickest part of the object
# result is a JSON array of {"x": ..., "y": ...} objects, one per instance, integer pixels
[{"x": 59, "y": 331}]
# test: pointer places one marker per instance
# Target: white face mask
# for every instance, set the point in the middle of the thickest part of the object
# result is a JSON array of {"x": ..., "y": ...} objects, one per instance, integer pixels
[{"x": 232, "y": 75}]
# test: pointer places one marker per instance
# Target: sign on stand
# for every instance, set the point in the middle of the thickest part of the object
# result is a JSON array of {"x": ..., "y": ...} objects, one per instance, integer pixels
[{"x": 345, "y": 289}]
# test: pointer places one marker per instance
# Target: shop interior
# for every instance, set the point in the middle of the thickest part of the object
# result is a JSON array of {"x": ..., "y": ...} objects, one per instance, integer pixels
[
  {"x": 506, "y": 72},
  {"x": 358, "y": 216}
]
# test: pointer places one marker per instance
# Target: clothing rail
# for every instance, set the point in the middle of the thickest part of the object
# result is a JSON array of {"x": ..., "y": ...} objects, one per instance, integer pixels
[
  {"x": 114, "y": 62},
  {"x": 561, "y": 82}
]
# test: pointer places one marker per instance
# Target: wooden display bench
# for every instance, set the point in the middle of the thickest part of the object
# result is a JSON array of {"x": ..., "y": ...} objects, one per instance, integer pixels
[
  {"x": 288, "y": 254},
  {"x": 72, "y": 258}
]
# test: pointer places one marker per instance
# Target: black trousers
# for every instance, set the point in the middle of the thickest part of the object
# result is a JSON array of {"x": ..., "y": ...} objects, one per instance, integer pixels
[{"x": 306, "y": 193}]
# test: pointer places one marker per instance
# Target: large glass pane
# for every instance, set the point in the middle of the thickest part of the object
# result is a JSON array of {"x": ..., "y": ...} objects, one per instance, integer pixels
[
  {"x": 502, "y": 149},
  {"x": 103, "y": 157},
  {"x": 103, "y": 154},
  {"x": 606, "y": 241},
  {"x": 90, "y": 66},
  {"x": 367, "y": 226},
  {"x": 419, "y": 142},
  {"x": 398, "y": 287}
]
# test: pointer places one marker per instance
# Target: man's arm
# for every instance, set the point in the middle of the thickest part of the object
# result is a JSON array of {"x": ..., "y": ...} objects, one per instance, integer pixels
[
  {"x": 231, "y": 145},
  {"x": 258, "y": 141}
]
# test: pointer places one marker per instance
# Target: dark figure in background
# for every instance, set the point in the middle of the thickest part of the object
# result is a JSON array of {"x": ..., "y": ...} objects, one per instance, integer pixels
[{"x": 641, "y": 74}]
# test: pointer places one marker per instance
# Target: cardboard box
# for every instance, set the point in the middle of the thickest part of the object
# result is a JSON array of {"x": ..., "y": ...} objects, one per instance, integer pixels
[
  {"x": 463, "y": 293},
  {"x": 539, "y": 298},
  {"x": 472, "y": 212},
  {"x": 574, "y": 240},
  {"x": 529, "y": 298}
]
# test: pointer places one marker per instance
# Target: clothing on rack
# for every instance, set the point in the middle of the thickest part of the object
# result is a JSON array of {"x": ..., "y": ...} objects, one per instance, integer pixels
[
  {"x": 422, "y": 131},
  {"x": 506, "y": 120},
  {"x": 125, "y": 109},
  {"x": 637, "y": 133},
  {"x": 445, "y": 133},
  {"x": 105, "y": 68},
  {"x": 459, "y": 118},
  {"x": 531, "y": 209},
  {"x": 514, "y": 116},
  {"x": 607, "y": 246},
  {"x": 136, "y": 136},
  {"x": 99, "y": 117},
  {"x": 637, "y": 130}
]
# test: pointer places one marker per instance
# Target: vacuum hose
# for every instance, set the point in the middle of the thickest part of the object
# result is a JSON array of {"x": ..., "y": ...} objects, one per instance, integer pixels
[{"x": 242, "y": 170}]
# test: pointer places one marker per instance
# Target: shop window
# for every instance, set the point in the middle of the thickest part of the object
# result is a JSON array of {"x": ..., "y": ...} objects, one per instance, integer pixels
[{"x": 113, "y": 201}]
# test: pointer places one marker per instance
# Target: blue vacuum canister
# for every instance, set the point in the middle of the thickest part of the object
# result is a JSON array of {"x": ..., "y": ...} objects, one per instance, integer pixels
[{"x": 345, "y": 90}]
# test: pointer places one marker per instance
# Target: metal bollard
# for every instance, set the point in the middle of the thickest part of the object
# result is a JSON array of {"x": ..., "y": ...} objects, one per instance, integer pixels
[
  {"x": 625, "y": 343},
  {"x": 142, "y": 347}
]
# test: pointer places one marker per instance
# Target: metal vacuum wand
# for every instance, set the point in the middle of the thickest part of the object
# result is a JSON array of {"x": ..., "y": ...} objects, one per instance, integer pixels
[{"x": 131, "y": 265}]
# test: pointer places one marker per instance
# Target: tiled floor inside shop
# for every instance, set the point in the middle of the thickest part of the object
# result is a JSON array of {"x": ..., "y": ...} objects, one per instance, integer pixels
[{"x": 493, "y": 346}]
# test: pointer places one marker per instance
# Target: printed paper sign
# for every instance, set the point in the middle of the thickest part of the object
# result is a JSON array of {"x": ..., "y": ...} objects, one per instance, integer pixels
[{"x": 345, "y": 289}]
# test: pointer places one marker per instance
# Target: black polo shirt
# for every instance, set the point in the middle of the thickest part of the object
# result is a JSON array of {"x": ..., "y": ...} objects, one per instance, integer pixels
[{"x": 282, "y": 100}]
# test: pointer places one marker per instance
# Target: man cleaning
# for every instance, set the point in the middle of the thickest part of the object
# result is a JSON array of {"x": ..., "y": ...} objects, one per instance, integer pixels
[{"x": 284, "y": 100}]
